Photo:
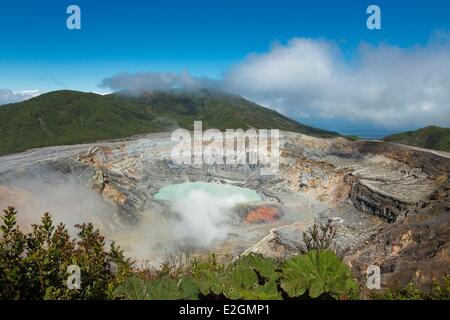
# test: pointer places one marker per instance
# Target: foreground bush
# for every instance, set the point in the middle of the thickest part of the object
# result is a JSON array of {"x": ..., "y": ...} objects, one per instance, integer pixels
[
  {"x": 439, "y": 291},
  {"x": 315, "y": 275},
  {"x": 34, "y": 265}
]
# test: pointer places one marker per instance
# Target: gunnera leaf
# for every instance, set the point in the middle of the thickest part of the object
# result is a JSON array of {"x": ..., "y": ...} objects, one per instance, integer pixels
[
  {"x": 268, "y": 291},
  {"x": 242, "y": 277},
  {"x": 232, "y": 292},
  {"x": 264, "y": 266},
  {"x": 318, "y": 272},
  {"x": 133, "y": 288},
  {"x": 208, "y": 282},
  {"x": 164, "y": 288},
  {"x": 189, "y": 288}
]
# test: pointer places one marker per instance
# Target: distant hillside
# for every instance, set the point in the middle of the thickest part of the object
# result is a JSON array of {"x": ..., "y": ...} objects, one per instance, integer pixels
[
  {"x": 69, "y": 117},
  {"x": 431, "y": 137}
]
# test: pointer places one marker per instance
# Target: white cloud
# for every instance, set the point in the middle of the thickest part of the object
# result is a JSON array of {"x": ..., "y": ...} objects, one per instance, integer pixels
[
  {"x": 9, "y": 96},
  {"x": 147, "y": 81},
  {"x": 384, "y": 85},
  {"x": 101, "y": 93}
]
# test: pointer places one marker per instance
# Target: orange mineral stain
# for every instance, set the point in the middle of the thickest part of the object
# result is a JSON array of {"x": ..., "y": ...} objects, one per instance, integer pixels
[{"x": 262, "y": 215}]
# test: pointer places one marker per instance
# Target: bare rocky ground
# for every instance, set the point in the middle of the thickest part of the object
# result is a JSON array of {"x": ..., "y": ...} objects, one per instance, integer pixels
[{"x": 389, "y": 203}]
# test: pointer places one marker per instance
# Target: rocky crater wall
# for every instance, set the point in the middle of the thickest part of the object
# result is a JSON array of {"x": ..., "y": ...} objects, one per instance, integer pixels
[{"x": 374, "y": 202}]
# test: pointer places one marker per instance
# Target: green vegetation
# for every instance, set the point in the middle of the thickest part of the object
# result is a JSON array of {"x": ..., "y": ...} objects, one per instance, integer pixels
[
  {"x": 318, "y": 273},
  {"x": 439, "y": 291},
  {"x": 315, "y": 275},
  {"x": 353, "y": 138},
  {"x": 69, "y": 117},
  {"x": 33, "y": 266},
  {"x": 431, "y": 137},
  {"x": 318, "y": 237}
]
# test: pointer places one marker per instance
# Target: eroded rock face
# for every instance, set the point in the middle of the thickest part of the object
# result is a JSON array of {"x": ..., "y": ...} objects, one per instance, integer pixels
[
  {"x": 414, "y": 249},
  {"x": 389, "y": 203},
  {"x": 401, "y": 196}
]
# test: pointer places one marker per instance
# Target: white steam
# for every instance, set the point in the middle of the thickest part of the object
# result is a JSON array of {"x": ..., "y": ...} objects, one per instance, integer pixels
[
  {"x": 203, "y": 220},
  {"x": 198, "y": 220},
  {"x": 66, "y": 198}
]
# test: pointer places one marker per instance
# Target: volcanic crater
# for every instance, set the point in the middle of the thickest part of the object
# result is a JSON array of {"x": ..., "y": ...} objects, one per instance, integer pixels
[{"x": 382, "y": 198}]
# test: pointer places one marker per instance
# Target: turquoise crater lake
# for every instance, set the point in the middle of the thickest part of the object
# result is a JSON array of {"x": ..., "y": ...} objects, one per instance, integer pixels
[{"x": 179, "y": 191}]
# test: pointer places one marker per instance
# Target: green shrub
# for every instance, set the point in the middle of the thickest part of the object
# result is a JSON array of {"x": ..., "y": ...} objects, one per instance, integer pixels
[
  {"x": 318, "y": 274},
  {"x": 439, "y": 291},
  {"x": 318, "y": 237},
  {"x": 133, "y": 288},
  {"x": 34, "y": 265}
]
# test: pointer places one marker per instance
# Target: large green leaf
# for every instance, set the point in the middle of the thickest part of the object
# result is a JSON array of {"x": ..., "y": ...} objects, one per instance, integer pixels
[
  {"x": 266, "y": 267},
  {"x": 189, "y": 288},
  {"x": 232, "y": 292},
  {"x": 133, "y": 288},
  {"x": 268, "y": 291},
  {"x": 318, "y": 272},
  {"x": 164, "y": 288},
  {"x": 240, "y": 278},
  {"x": 208, "y": 281},
  {"x": 243, "y": 277}
]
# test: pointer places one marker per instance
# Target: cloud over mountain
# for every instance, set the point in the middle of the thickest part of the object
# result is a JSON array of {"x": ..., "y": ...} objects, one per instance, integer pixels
[
  {"x": 385, "y": 85},
  {"x": 9, "y": 96},
  {"x": 148, "y": 81},
  {"x": 382, "y": 85}
]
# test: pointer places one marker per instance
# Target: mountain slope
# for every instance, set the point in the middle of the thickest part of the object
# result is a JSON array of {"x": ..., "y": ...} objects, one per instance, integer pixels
[
  {"x": 431, "y": 137},
  {"x": 69, "y": 117},
  {"x": 221, "y": 110}
]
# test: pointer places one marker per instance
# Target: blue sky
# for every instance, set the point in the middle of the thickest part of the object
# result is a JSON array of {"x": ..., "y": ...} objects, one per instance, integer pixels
[{"x": 203, "y": 38}]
